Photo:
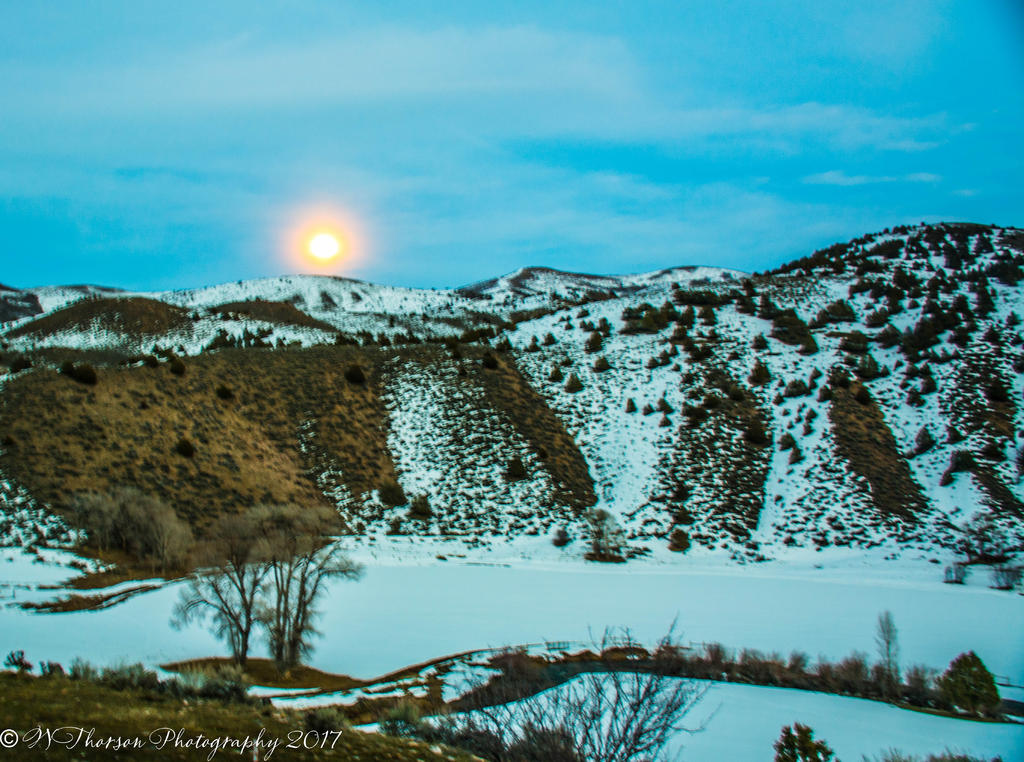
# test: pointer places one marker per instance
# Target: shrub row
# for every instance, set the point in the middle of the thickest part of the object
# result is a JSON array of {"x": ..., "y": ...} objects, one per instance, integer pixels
[{"x": 225, "y": 683}]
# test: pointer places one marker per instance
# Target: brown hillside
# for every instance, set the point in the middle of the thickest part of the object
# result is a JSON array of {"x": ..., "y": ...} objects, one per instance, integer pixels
[
  {"x": 281, "y": 313},
  {"x": 865, "y": 440},
  {"x": 135, "y": 315},
  {"x": 124, "y": 430},
  {"x": 509, "y": 392},
  {"x": 999, "y": 497}
]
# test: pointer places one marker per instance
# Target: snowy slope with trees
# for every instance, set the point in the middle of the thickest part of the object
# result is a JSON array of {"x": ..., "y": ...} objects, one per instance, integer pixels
[{"x": 867, "y": 395}]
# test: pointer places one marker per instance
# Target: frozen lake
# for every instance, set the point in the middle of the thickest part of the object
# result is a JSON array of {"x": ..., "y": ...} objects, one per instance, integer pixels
[{"x": 400, "y": 614}]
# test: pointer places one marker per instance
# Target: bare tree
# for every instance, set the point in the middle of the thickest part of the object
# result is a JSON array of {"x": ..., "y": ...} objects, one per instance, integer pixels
[
  {"x": 229, "y": 586},
  {"x": 606, "y": 536},
  {"x": 887, "y": 642},
  {"x": 299, "y": 561},
  {"x": 96, "y": 513},
  {"x": 1006, "y": 577},
  {"x": 620, "y": 710},
  {"x": 266, "y": 567},
  {"x": 957, "y": 573},
  {"x": 171, "y": 539},
  {"x": 140, "y": 524}
]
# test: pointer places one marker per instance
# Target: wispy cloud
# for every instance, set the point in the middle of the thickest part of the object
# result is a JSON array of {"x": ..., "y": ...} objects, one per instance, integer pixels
[
  {"x": 164, "y": 146},
  {"x": 493, "y": 82},
  {"x": 838, "y": 177},
  {"x": 365, "y": 66}
]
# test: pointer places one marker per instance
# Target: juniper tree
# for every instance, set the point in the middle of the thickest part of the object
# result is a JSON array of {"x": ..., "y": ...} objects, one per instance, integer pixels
[
  {"x": 969, "y": 685},
  {"x": 797, "y": 744}
]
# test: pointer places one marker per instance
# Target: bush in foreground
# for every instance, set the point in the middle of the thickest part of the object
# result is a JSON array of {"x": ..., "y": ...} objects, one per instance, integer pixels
[
  {"x": 947, "y": 756},
  {"x": 797, "y": 744},
  {"x": 16, "y": 660},
  {"x": 326, "y": 719}
]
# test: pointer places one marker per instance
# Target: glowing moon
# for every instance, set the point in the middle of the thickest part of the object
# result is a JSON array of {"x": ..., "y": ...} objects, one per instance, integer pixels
[
  {"x": 324, "y": 246},
  {"x": 323, "y": 240}
]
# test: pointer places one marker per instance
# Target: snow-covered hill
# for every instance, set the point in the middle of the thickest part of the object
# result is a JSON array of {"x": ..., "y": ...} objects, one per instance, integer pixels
[{"x": 867, "y": 395}]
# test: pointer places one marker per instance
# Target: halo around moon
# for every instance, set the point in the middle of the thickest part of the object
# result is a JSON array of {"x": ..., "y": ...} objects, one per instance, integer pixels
[{"x": 323, "y": 241}]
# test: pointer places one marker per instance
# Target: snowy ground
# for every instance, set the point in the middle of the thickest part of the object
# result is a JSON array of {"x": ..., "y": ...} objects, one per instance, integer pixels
[
  {"x": 742, "y": 722},
  {"x": 748, "y": 719},
  {"x": 405, "y": 613},
  {"x": 419, "y": 608}
]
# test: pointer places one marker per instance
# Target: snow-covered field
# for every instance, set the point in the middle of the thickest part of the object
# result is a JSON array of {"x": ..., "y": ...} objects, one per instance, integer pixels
[
  {"x": 411, "y": 607},
  {"x": 402, "y": 613},
  {"x": 748, "y": 719},
  {"x": 741, "y": 722}
]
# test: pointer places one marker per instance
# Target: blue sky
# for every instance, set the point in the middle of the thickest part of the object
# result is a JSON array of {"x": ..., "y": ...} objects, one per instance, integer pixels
[{"x": 167, "y": 145}]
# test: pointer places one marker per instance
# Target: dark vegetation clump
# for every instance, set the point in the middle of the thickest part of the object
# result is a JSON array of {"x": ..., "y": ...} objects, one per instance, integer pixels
[
  {"x": 646, "y": 318},
  {"x": 679, "y": 541},
  {"x": 561, "y": 538},
  {"x": 968, "y": 686},
  {"x": 796, "y": 388},
  {"x": 924, "y": 441},
  {"x": 960, "y": 460},
  {"x": 225, "y": 683},
  {"x": 993, "y": 451},
  {"x": 515, "y": 471},
  {"x": 185, "y": 448},
  {"x": 20, "y": 363},
  {"x": 224, "y": 392},
  {"x": 760, "y": 374},
  {"x": 391, "y": 493},
  {"x": 16, "y": 660},
  {"x": 755, "y": 433},
  {"x": 420, "y": 509},
  {"x": 83, "y": 373},
  {"x": 957, "y": 574},
  {"x": 326, "y": 719},
  {"x": 996, "y": 391},
  {"x": 855, "y": 343},
  {"x": 355, "y": 375}
]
